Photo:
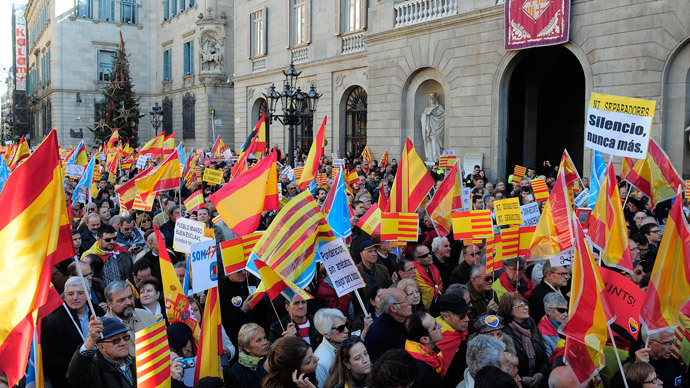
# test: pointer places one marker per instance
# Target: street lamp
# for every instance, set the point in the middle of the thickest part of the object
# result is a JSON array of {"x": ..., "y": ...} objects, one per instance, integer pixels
[
  {"x": 292, "y": 101},
  {"x": 156, "y": 114}
]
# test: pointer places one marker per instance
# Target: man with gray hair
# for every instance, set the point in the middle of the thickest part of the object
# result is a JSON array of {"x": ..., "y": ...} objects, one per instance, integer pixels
[
  {"x": 555, "y": 277},
  {"x": 483, "y": 298},
  {"x": 440, "y": 247},
  {"x": 88, "y": 236},
  {"x": 668, "y": 368},
  {"x": 483, "y": 350},
  {"x": 120, "y": 299},
  {"x": 387, "y": 332}
]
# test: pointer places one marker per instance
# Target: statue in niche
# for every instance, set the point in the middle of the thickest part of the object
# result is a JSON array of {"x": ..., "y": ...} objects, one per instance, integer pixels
[
  {"x": 211, "y": 55},
  {"x": 433, "y": 126}
]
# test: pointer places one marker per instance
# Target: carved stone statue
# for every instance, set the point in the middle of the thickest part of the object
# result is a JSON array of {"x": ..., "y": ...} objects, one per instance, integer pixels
[
  {"x": 211, "y": 56},
  {"x": 433, "y": 127}
]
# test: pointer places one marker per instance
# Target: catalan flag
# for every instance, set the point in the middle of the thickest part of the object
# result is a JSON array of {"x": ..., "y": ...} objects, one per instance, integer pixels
[
  {"x": 210, "y": 341},
  {"x": 311, "y": 166},
  {"x": 687, "y": 189},
  {"x": 218, "y": 147},
  {"x": 541, "y": 192},
  {"x": 572, "y": 177},
  {"x": 370, "y": 222},
  {"x": 607, "y": 228},
  {"x": 165, "y": 176},
  {"x": 236, "y": 252},
  {"x": 586, "y": 328},
  {"x": 22, "y": 152},
  {"x": 241, "y": 201},
  {"x": 492, "y": 263},
  {"x": 143, "y": 203},
  {"x": 384, "y": 158},
  {"x": 322, "y": 180},
  {"x": 412, "y": 182},
  {"x": 399, "y": 226},
  {"x": 152, "y": 356},
  {"x": 273, "y": 284},
  {"x": 366, "y": 155},
  {"x": 289, "y": 244},
  {"x": 447, "y": 161},
  {"x": 194, "y": 201},
  {"x": 669, "y": 285},
  {"x": 441, "y": 205},
  {"x": 472, "y": 224},
  {"x": 298, "y": 173},
  {"x": 519, "y": 172},
  {"x": 509, "y": 246},
  {"x": 35, "y": 235}
]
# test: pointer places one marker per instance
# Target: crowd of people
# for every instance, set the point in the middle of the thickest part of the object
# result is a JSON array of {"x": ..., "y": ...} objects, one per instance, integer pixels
[{"x": 433, "y": 315}]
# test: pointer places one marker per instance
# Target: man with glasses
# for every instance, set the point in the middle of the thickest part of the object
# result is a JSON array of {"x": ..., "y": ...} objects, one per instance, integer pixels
[
  {"x": 117, "y": 260},
  {"x": 422, "y": 333},
  {"x": 668, "y": 368},
  {"x": 653, "y": 234},
  {"x": 129, "y": 236},
  {"x": 471, "y": 256},
  {"x": 513, "y": 279},
  {"x": 482, "y": 297},
  {"x": 428, "y": 276},
  {"x": 454, "y": 321},
  {"x": 555, "y": 278},
  {"x": 387, "y": 331},
  {"x": 120, "y": 299}
]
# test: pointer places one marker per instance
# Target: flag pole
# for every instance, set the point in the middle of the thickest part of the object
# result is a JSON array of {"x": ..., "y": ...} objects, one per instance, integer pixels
[
  {"x": 626, "y": 197},
  {"x": 361, "y": 303},
  {"x": 618, "y": 357},
  {"x": 278, "y": 316},
  {"x": 83, "y": 282}
]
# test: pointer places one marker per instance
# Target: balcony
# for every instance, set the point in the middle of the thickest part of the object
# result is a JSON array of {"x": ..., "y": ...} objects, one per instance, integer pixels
[
  {"x": 299, "y": 55},
  {"x": 258, "y": 64},
  {"x": 420, "y": 11},
  {"x": 352, "y": 43}
]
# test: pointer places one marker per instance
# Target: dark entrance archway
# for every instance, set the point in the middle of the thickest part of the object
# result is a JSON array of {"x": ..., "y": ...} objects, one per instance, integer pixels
[{"x": 546, "y": 108}]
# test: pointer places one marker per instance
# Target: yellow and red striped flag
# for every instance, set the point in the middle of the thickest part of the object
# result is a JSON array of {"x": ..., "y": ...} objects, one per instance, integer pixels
[
  {"x": 412, "y": 182},
  {"x": 586, "y": 328},
  {"x": 492, "y": 263},
  {"x": 553, "y": 234},
  {"x": 145, "y": 204},
  {"x": 509, "y": 246},
  {"x": 112, "y": 160},
  {"x": 352, "y": 177},
  {"x": 447, "y": 161},
  {"x": 366, "y": 155},
  {"x": 370, "y": 222},
  {"x": 153, "y": 147},
  {"x": 241, "y": 201},
  {"x": 218, "y": 147},
  {"x": 607, "y": 229},
  {"x": 128, "y": 191},
  {"x": 152, "y": 356},
  {"x": 383, "y": 199},
  {"x": 687, "y": 189},
  {"x": 115, "y": 137},
  {"x": 20, "y": 153},
  {"x": 165, "y": 176},
  {"x": 472, "y": 224},
  {"x": 289, "y": 244},
  {"x": 541, "y": 192},
  {"x": 384, "y": 158},
  {"x": 35, "y": 235},
  {"x": 169, "y": 142},
  {"x": 669, "y": 285},
  {"x": 572, "y": 177},
  {"x": 441, "y": 205},
  {"x": 298, "y": 173},
  {"x": 322, "y": 180},
  {"x": 526, "y": 234},
  {"x": 236, "y": 252},
  {"x": 519, "y": 172},
  {"x": 273, "y": 284},
  {"x": 210, "y": 340},
  {"x": 399, "y": 226},
  {"x": 194, "y": 201},
  {"x": 311, "y": 165},
  {"x": 254, "y": 145}
]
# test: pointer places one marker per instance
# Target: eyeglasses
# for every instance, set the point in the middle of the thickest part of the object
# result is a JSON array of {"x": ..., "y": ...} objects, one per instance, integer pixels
[
  {"x": 146, "y": 220},
  {"x": 109, "y": 239},
  {"x": 340, "y": 328},
  {"x": 561, "y": 310},
  {"x": 562, "y": 273},
  {"x": 488, "y": 278},
  {"x": 521, "y": 305},
  {"x": 654, "y": 380},
  {"x": 667, "y": 343},
  {"x": 475, "y": 254},
  {"x": 117, "y": 340},
  {"x": 639, "y": 272},
  {"x": 424, "y": 255},
  {"x": 292, "y": 188},
  {"x": 300, "y": 302},
  {"x": 655, "y": 231}
]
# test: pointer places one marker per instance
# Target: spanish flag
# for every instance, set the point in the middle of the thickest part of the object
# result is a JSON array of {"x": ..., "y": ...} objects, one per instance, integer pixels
[
  {"x": 255, "y": 144},
  {"x": 553, "y": 233},
  {"x": 194, "y": 201},
  {"x": 366, "y": 154},
  {"x": 399, "y": 226},
  {"x": 218, "y": 147},
  {"x": 128, "y": 191},
  {"x": 572, "y": 177},
  {"x": 241, "y": 201},
  {"x": 165, "y": 176},
  {"x": 441, "y": 205},
  {"x": 370, "y": 222},
  {"x": 412, "y": 182},
  {"x": 236, "y": 252},
  {"x": 35, "y": 235},
  {"x": 607, "y": 224},
  {"x": 472, "y": 224},
  {"x": 526, "y": 234},
  {"x": 115, "y": 137},
  {"x": 586, "y": 328},
  {"x": 169, "y": 142},
  {"x": 153, "y": 147},
  {"x": 273, "y": 284},
  {"x": 211, "y": 341},
  {"x": 383, "y": 199},
  {"x": 311, "y": 166},
  {"x": 152, "y": 356},
  {"x": 22, "y": 152}
]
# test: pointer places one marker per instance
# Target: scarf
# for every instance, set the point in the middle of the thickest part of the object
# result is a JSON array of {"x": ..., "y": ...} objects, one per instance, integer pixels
[
  {"x": 249, "y": 362},
  {"x": 449, "y": 343},
  {"x": 525, "y": 288},
  {"x": 525, "y": 337},
  {"x": 423, "y": 277},
  {"x": 105, "y": 255},
  {"x": 425, "y": 355}
]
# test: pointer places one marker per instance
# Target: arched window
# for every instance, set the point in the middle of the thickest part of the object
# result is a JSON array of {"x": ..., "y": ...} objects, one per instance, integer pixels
[{"x": 356, "y": 121}]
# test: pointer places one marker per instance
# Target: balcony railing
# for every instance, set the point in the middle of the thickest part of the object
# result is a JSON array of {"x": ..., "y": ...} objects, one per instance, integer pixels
[
  {"x": 259, "y": 64},
  {"x": 300, "y": 55},
  {"x": 352, "y": 43},
  {"x": 420, "y": 11}
]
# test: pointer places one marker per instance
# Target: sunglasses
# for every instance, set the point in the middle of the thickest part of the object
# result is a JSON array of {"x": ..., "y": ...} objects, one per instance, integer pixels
[
  {"x": 109, "y": 239},
  {"x": 340, "y": 328},
  {"x": 425, "y": 255},
  {"x": 561, "y": 310},
  {"x": 520, "y": 305},
  {"x": 488, "y": 278},
  {"x": 117, "y": 340},
  {"x": 639, "y": 272}
]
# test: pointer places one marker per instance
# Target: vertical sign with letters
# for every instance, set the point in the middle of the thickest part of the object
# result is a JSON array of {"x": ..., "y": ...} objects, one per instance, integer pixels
[{"x": 20, "y": 62}]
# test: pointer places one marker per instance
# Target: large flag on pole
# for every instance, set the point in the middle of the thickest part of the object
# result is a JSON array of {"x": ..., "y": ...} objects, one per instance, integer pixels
[
  {"x": 241, "y": 201},
  {"x": 218, "y": 147},
  {"x": 165, "y": 176},
  {"x": 669, "y": 284},
  {"x": 553, "y": 234},
  {"x": 35, "y": 235},
  {"x": 568, "y": 168},
  {"x": 338, "y": 214},
  {"x": 152, "y": 356},
  {"x": 211, "y": 340},
  {"x": 441, "y": 205},
  {"x": 412, "y": 182},
  {"x": 255, "y": 144},
  {"x": 153, "y": 147},
  {"x": 115, "y": 137},
  {"x": 607, "y": 225},
  {"x": 311, "y": 166},
  {"x": 22, "y": 152}
]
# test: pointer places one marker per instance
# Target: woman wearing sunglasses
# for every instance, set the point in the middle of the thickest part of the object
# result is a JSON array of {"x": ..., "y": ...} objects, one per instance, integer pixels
[
  {"x": 351, "y": 366},
  {"x": 556, "y": 308},
  {"x": 332, "y": 325}
]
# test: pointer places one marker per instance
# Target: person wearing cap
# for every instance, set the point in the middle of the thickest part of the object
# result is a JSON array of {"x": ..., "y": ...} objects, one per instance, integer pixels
[
  {"x": 512, "y": 279},
  {"x": 555, "y": 278},
  {"x": 422, "y": 333},
  {"x": 428, "y": 276},
  {"x": 491, "y": 325},
  {"x": 454, "y": 321},
  {"x": 482, "y": 297},
  {"x": 373, "y": 274}
]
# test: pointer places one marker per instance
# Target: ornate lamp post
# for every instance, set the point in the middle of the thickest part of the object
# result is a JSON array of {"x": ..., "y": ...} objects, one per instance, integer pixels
[
  {"x": 156, "y": 115},
  {"x": 292, "y": 100}
]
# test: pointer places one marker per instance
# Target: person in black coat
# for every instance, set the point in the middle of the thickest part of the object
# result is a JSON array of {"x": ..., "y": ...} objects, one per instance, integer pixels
[
  {"x": 235, "y": 303},
  {"x": 253, "y": 348},
  {"x": 168, "y": 228},
  {"x": 554, "y": 279},
  {"x": 387, "y": 331},
  {"x": 297, "y": 323}
]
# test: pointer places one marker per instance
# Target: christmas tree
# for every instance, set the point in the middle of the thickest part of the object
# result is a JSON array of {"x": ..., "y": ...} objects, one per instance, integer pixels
[{"x": 121, "y": 108}]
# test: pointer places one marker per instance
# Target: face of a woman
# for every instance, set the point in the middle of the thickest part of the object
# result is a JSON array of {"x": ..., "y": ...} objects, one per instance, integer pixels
[
  {"x": 413, "y": 295},
  {"x": 498, "y": 334},
  {"x": 556, "y": 315},
  {"x": 187, "y": 350},
  {"x": 336, "y": 335},
  {"x": 148, "y": 294},
  {"x": 309, "y": 363},
  {"x": 520, "y": 310},
  {"x": 259, "y": 345},
  {"x": 195, "y": 310},
  {"x": 652, "y": 381},
  {"x": 359, "y": 363}
]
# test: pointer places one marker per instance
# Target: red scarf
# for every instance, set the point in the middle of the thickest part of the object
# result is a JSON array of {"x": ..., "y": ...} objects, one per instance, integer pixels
[
  {"x": 425, "y": 355},
  {"x": 424, "y": 276},
  {"x": 96, "y": 250},
  {"x": 449, "y": 344},
  {"x": 511, "y": 288}
]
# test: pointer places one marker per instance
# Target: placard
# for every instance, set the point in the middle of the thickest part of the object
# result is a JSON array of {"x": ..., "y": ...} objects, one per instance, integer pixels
[
  {"x": 214, "y": 177},
  {"x": 449, "y": 152},
  {"x": 618, "y": 125},
  {"x": 508, "y": 211},
  {"x": 340, "y": 267},
  {"x": 141, "y": 161},
  {"x": 530, "y": 214},
  {"x": 74, "y": 170},
  {"x": 562, "y": 258},
  {"x": 471, "y": 159},
  {"x": 581, "y": 198},
  {"x": 204, "y": 265},
  {"x": 466, "y": 198},
  {"x": 187, "y": 232},
  {"x": 289, "y": 172},
  {"x": 338, "y": 163}
]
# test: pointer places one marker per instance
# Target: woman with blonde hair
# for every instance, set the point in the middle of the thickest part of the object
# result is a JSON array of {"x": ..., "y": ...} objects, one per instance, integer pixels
[{"x": 412, "y": 293}]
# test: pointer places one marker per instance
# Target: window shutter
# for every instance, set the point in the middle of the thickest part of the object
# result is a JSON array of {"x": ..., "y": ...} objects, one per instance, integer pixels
[
  {"x": 166, "y": 9},
  {"x": 182, "y": 5},
  {"x": 336, "y": 4},
  {"x": 185, "y": 60},
  {"x": 251, "y": 35},
  {"x": 48, "y": 67},
  {"x": 191, "y": 56},
  {"x": 307, "y": 22},
  {"x": 288, "y": 19},
  {"x": 264, "y": 35},
  {"x": 363, "y": 14}
]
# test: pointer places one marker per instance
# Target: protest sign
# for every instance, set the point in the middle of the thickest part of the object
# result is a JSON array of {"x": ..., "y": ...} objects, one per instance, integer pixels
[
  {"x": 214, "y": 177},
  {"x": 466, "y": 198},
  {"x": 624, "y": 298},
  {"x": 338, "y": 163},
  {"x": 619, "y": 126},
  {"x": 74, "y": 170},
  {"x": 187, "y": 232},
  {"x": 508, "y": 212},
  {"x": 289, "y": 172},
  {"x": 562, "y": 258},
  {"x": 449, "y": 152},
  {"x": 581, "y": 199},
  {"x": 530, "y": 214},
  {"x": 204, "y": 265},
  {"x": 340, "y": 267},
  {"x": 141, "y": 161}
]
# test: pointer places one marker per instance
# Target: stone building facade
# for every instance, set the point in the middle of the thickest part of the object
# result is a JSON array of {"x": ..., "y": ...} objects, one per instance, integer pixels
[
  {"x": 512, "y": 107},
  {"x": 71, "y": 43}
]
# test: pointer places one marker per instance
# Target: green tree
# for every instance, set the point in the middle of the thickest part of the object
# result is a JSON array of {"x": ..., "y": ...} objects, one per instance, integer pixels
[{"x": 121, "y": 109}]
